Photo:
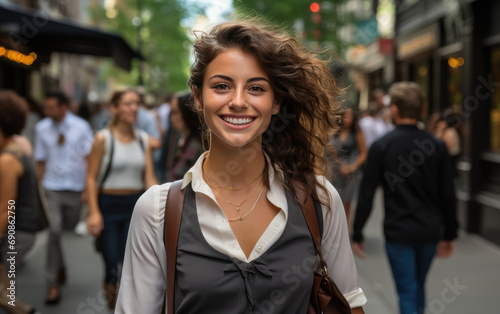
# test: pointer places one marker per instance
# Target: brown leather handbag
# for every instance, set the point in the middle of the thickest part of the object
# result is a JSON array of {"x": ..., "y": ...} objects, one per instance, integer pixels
[{"x": 325, "y": 295}]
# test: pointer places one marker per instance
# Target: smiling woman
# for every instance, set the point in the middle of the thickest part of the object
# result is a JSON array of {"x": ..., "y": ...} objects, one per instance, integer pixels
[
  {"x": 268, "y": 108},
  {"x": 119, "y": 169},
  {"x": 238, "y": 102}
]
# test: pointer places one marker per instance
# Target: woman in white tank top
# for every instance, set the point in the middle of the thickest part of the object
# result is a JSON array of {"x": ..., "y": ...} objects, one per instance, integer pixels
[{"x": 120, "y": 168}]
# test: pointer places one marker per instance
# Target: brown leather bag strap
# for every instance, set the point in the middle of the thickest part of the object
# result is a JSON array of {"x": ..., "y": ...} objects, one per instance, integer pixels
[
  {"x": 307, "y": 205},
  {"x": 173, "y": 214}
]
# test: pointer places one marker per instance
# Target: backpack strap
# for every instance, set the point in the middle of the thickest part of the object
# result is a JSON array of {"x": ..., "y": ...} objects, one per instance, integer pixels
[
  {"x": 110, "y": 162},
  {"x": 139, "y": 138},
  {"x": 319, "y": 214},
  {"x": 173, "y": 215}
]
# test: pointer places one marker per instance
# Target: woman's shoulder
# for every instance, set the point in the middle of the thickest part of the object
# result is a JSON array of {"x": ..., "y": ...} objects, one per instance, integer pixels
[
  {"x": 10, "y": 162},
  {"x": 141, "y": 133},
  {"x": 142, "y": 136},
  {"x": 24, "y": 144},
  {"x": 332, "y": 196},
  {"x": 321, "y": 179},
  {"x": 102, "y": 139},
  {"x": 150, "y": 207}
]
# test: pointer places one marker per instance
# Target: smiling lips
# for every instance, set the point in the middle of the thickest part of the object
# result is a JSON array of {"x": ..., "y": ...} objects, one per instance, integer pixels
[{"x": 237, "y": 121}]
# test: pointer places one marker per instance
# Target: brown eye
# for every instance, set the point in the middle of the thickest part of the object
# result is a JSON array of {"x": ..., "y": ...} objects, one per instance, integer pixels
[
  {"x": 221, "y": 86},
  {"x": 256, "y": 89}
]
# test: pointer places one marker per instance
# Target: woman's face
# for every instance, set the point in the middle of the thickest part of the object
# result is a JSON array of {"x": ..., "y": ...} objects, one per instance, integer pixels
[
  {"x": 176, "y": 116},
  {"x": 237, "y": 99},
  {"x": 127, "y": 107}
]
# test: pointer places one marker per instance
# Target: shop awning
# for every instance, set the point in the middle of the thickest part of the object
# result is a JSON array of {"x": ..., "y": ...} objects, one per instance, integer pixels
[{"x": 33, "y": 31}]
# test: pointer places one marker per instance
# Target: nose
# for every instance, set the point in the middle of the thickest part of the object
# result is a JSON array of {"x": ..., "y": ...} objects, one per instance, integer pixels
[{"x": 238, "y": 101}]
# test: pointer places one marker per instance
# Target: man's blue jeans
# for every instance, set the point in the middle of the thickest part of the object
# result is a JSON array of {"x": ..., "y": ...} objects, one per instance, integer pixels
[{"x": 410, "y": 264}]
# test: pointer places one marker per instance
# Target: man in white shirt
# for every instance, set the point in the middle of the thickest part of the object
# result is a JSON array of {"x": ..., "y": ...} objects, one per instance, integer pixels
[
  {"x": 62, "y": 143},
  {"x": 373, "y": 125}
]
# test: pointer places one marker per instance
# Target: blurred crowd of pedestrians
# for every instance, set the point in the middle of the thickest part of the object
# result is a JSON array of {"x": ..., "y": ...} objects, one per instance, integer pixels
[
  {"x": 62, "y": 157},
  {"x": 107, "y": 157}
]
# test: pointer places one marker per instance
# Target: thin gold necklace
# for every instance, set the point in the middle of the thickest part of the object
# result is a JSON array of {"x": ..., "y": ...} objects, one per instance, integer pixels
[
  {"x": 246, "y": 199},
  {"x": 230, "y": 188},
  {"x": 240, "y": 218}
]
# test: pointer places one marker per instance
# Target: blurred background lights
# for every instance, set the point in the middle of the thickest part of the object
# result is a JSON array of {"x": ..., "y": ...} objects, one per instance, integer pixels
[
  {"x": 456, "y": 62},
  {"x": 422, "y": 71},
  {"x": 314, "y": 7},
  {"x": 18, "y": 57}
]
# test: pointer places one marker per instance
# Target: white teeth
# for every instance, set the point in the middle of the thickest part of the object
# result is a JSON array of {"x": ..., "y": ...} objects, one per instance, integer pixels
[{"x": 237, "y": 120}]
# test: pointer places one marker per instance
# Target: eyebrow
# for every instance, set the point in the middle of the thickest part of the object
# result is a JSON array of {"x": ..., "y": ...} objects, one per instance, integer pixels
[{"x": 253, "y": 79}]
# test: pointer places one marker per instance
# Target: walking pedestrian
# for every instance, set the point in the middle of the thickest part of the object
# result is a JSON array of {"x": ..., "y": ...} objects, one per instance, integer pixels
[
  {"x": 444, "y": 127},
  {"x": 19, "y": 206},
  {"x": 120, "y": 169},
  {"x": 349, "y": 144},
  {"x": 189, "y": 147},
  {"x": 269, "y": 108},
  {"x": 372, "y": 125},
  {"x": 147, "y": 121},
  {"x": 420, "y": 215},
  {"x": 163, "y": 113},
  {"x": 62, "y": 143}
]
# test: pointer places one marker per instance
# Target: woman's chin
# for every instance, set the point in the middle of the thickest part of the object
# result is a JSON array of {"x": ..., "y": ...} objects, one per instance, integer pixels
[{"x": 238, "y": 142}]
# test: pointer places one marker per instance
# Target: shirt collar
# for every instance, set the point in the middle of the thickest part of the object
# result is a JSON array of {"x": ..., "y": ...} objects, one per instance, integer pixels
[
  {"x": 64, "y": 122},
  {"x": 276, "y": 193},
  {"x": 407, "y": 126}
]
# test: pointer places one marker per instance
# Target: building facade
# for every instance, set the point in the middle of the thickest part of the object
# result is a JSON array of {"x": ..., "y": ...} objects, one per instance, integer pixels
[
  {"x": 47, "y": 45},
  {"x": 451, "y": 48}
]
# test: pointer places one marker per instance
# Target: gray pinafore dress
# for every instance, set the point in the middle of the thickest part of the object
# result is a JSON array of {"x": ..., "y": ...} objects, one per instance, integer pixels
[{"x": 209, "y": 281}]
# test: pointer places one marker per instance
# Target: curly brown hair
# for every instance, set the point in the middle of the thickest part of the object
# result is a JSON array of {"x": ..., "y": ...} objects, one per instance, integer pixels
[
  {"x": 296, "y": 138},
  {"x": 13, "y": 112}
]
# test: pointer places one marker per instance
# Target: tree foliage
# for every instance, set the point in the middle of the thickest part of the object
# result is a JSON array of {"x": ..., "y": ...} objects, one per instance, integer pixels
[
  {"x": 314, "y": 28},
  {"x": 163, "y": 42}
]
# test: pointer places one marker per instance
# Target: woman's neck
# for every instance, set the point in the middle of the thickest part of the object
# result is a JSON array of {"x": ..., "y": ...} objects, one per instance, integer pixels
[
  {"x": 233, "y": 167},
  {"x": 124, "y": 128}
]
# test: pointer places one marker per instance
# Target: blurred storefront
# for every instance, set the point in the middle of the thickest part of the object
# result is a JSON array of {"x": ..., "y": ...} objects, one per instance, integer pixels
[
  {"x": 451, "y": 48},
  {"x": 372, "y": 55},
  {"x": 374, "y": 66},
  {"x": 43, "y": 49}
]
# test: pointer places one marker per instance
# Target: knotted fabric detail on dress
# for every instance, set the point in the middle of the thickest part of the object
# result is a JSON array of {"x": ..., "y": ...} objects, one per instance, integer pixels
[{"x": 248, "y": 268}]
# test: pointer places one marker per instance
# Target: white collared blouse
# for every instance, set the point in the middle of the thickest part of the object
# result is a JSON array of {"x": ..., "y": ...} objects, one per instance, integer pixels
[{"x": 143, "y": 281}]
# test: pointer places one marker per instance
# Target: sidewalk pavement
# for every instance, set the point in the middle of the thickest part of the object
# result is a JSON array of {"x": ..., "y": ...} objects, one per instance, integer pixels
[
  {"x": 82, "y": 293},
  {"x": 466, "y": 283}
]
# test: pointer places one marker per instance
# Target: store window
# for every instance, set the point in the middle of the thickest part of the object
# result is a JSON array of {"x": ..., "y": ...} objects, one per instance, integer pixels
[
  {"x": 420, "y": 73},
  {"x": 495, "y": 101}
]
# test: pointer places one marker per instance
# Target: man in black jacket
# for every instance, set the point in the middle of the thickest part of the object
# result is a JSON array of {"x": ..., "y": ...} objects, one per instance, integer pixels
[{"x": 416, "y": 173}]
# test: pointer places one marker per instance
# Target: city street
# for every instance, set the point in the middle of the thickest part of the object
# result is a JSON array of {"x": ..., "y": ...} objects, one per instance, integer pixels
[
  {"x": 466, "y": 283},
  {"x": 82, "y": 292},
  {"x": 97, "y": 98}
]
